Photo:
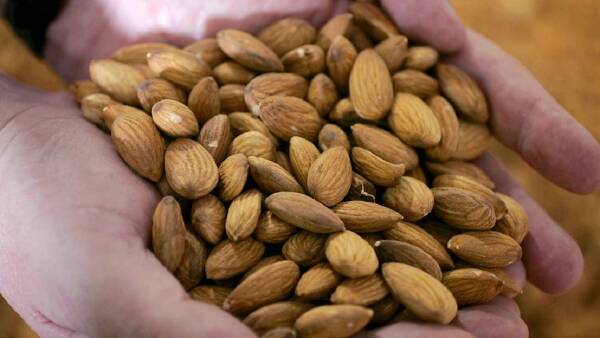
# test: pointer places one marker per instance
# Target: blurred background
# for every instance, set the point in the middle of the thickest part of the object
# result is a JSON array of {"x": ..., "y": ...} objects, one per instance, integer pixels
[{"x": 558, "y": 40}]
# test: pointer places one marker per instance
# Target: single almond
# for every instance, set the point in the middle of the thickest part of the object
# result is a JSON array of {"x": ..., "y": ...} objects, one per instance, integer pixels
[
  {"x": 463, "y": 209},
  {"x": 515, "y": 221},
  {"x": 318, "y": 282},
  {"x": 280, "y": 332},
  {"x": 510, "y": 287},
  {"x": 273, "y": 84},
  {"x": 410, "y": 197},
  {"x": 178, "y": 66},
  {"x": 83, "y": 88},
  {"x": 117, "y": 79},
  {"x": 139, "y": 144},
  {"x": 376, "y": 169},
  {"x": 286, "y": 34},
  {"x": 270, "y": 177},
  {"x": 361, "y": 291},
  {"x": 438, "y": 230},
  {"x": 443, "y": 111},
  {"x": 136, "y": 53},
  {"x": 212, "y": 294},
  {"x": 232, "y": 72},
  {"x": 343, "y": 113},
  {"x": 463, "y": 92},
  {"x": 415, "y": 82},
  {"x": 304, "y": 212},
  {"x": 283, "y": 160},
  {"x": 384, "y": 144},
  {"x": 267, "y": 285},
  {"x": 242, "y": 122},
  {"x": 204, "y": 99},
  {"x": 414, "y": 122},
  {"x": 360, "y": 216},
  {"x": 152, "y": 91},
  {"x": 305, "y": 248},
  {"x": 331, "y": 135},
  {"x": 340, "y": 58},
  {"x": 271, "y": 229},
  {"x": 174, "y": 119},
  {"x": 262, "y": 263},
  {"x": 215, "y": 137},
  {"x": 231, "y": 97},
  {"x": 421, "y": 58},
  {"x": 248, "y": 51},
  {"x": 288, "y": 116},
  {"x": 208, "y": 218},
  {"x": 421, "y": 293},
  {"x": 350, "y": 255},
  {"x": 168, "y": 233},
  {"x": 302, "y": 155},
  {"x": 472, "y": 286},
  {"x": 207, "y": 50},
  {"x": 403, "y": 252},
  {"x": 165, "y": 189},
  {"x": 93, "y": 105},
  {"x": 322, "y": 94},
  {"x": 233, "y": 174},
  {"x": 333, "y": 321},
  {"x": 330, "y": 176},
  {"x": 339, "y": 25},
  {"x": 473, "y": 140},
  {"x": 190, "y": 169},
  {"x": 306, "y": 60},
  {"x": 371, "y": 89},
  {"x": 373, "y": 20},
  {"x": 393, "y": 50},
  {"x": 276, "y": 315},
  {"x": 460, "y": 168},
  {"x": 418, "y": 173},
  {"x": 230, "y": 258},
  {"x": 243, "y": 214},
  {"x": 191, "y": 269},
  {"x": 361, "y": 189},
  {"x": 490, "y": 249},
  {"x": 384, "y": 310},
  {"x": 253, "y": 143}
]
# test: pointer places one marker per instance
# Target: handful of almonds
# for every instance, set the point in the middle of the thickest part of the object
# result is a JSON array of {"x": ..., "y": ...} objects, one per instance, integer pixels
[{"x": 315, "y": 182}]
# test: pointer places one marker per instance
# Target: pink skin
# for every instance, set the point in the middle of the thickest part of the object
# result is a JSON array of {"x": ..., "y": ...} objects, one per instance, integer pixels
[{"x": 76, "y": 264}]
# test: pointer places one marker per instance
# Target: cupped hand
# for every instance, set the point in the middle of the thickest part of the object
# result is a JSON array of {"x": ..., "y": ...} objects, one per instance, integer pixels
[{"x": 75, "y": 263}]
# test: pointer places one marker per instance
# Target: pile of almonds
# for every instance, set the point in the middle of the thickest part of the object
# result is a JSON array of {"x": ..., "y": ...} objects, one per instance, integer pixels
[{"x": 315, "y": 182}]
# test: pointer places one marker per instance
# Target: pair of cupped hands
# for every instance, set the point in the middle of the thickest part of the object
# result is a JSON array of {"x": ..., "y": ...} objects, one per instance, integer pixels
[{"x": 75, "y": 221}]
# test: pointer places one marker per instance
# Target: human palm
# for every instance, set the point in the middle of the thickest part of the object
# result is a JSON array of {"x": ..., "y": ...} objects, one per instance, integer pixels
[{"x": 75, "y": 221}]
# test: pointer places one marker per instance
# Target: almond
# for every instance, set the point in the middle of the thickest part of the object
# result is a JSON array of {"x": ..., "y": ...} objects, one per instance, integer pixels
[
  {"x": 384, "y": 144},
  {"x": 448, "y": 121},
  {"x": 230, "y": 258},
  {"x": 376, "y": 169},
  {"x": 333, "y": 321},
  {"x": 490, "y": 249},
  {"x": 350, "y": 255},
  {"x": 340, "y": 58},
  {"x": 253, "y": 143},
  {"x": 231, "y": 97},
  {"x": 92, "y": 106},
  {"x": 330, "y": 176},
  {"x": 208, "y": 218},
  {"x": 306, "y": 60},
  {"x": 83, "y": 88},
  {"x": 343, "y": 113},
  {"x": 276, "y": 315},
  {"x": 249, "y": 51},
  {"x": 372, "y": 237},
  {"x": 165, "y": 189},
  {"x": 211, "y": 294},
  {"x": 472, "y": 286},
  {"x": 384, "y": 310},
  {"x": 305, "y": 248},
  {"x": 152, "y": 91},
  {"x": 233, "y": 174},
  {"x": 207, "y": 50},
  {"x": 438, "y": 230},
  {"x": 373, "y": 20},
  {"x": 243, "y": 214},
  {"x": 168, "y": 233},
  {"x": 286, "y": 34},
  {"x": 460, "y": 168},
  {"x": 288, "y": 116},
  {"x": 271, "y": 229},
  {"x": 318, "y": 282},
  {"x": 514, "y": 223},
  {"x": 232, "y": 72},
  {"x": 304, "y": 212},
  {"x": 463, "y": 92},
  {"x": 191, "y": 269},
  {"x": 463, "y": 209},
  {"x": 417, "y": 173},
  {"x": 361, "y": 291},
  {"x": 270, "y": 177},
  {"x": 242, "y": 122},
  {"x": 137, "y": 53},
  {"x": 322, "y": 94},
  {"x": 361, "y": 189},
  {"x": 204, "y": 99},
  {"x": 139, "y": 143},
  {"x": 421, "y": 58},
  {"x": 174, "y": 119},
  {"x": 415, "y": 82},
  {"x": 421, "y": 293},
  {"x": 117, "y": 79},
  {"x": 267, "y": 285},
  {"x": 302, "y": 155},
  {"x": 403, "y": 252},
  {"x": 510, "y": 288},
  {"x": 283, "y": 160},
  {"x": 215, "y": 137},
  {"x": 371, "y": 89},
  {"x": 273, "y": 84},
  {"x": 393, "y": 51},
  {"x": 178, "y": 66},
  {"x": 280, "y": 332},
  {"x": 473, "y": 140},
  {"x": 262, "y": 263},
  {"x": 360, "y": 216},
  {"x": 339, "y": 25},
  {"x": 414, "y": 122},
  {"x": 410, "y": 197},
  {"x": 190, "y": 169},
  {"x": 332, "y": 136}
]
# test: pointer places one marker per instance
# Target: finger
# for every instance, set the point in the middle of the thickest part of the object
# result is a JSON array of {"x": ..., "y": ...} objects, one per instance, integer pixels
[
  {"x": 433, "y": 22},
  {"x": 552, "y": 258},
  {"x": 497, "y": 319},
  {"x": 517, "y": 272},
  {"x": 416, "y": 330},
  {"x": 527, "y": 119}
]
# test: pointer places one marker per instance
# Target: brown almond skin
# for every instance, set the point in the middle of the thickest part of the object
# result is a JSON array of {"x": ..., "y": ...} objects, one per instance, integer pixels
[
  {"x": 267, "y": 285},
  {"x": 330, "y": 176},
  {"x": 302, "y": 155},
  {"x": 168, "y": 233},
  {"x": 231, "y": 97},
  {"x": 112, "y": 111},
  {"x": 370, "y": 84},
  {"x": 340, "y": 59},
  {"x": 288, "y": 116},
  {"x": 276, "y": 315},
  {"x": 232, "y": 72},
  {"x": 460, "y": 168},
  {"x": 421, "y": 293},
  {"x": 463, "y": 92},
  {"x": 83, "y": 88},
  {"x": 415, "y": 82},
  {"x": 211, "y": 294},
  {"x": 306, "y": 60},
  {"x": 270, "y": 177},
  {"x": 384, "y": 144},
  {"x": 472, "y": 286},
  {"x": 361, "y": 189},
  {"x": 393, "y": 51},
  {"x": 286, "y": 34},
  {"x": 350, "y": 255},
  {"x": 410, "y": 197},
  {"x": 304, "y": 212},
  {"x": 248, "y": 51},
  {"x": 318, "y": 282},
  {"x": 473, "y": 140},
  {"x": 242, "y": 122},
  {"x": 175, "y": 119},
  {"x": 463, "y": 209},
  {"x": 190, "y": 169},
  {"x": 361, "y": 291},
  {"x": 230, "y": 258},
  {"x": 152, "y": 91},
  {"x": 283, "y": 160},
  {"x": 271, "y": 229},
  {"x": 93, "y": 105},
  {"x": 208, "y": 218},
  {"x": 361, "y": 216},
  {"x": 233, "y": 174},
  {"x": 376, "y": 169},
  {"x": 340, "y": 24},
  {"x": 322, "y": 94},
  {"x": 118, "y": 79},
  {"x": 490, "y": 249},
  {"x": 332, "y": 135},
  {"x": 438, "y": 230},
  {"x": 515, "y": 222},
  {"x": 207, "y": 50},
  {"x": 373, "y": 20},
  {"x": 421, "y": 58},
  {"x": 204, "y": 99},
  {"x": 273, "y": 84},
  {"x": 415, "y": 235},
  {"x": 139, "y": 144},
  {"x": 443, "y": 111},
  {"x": 191, "y": 269},
  {"x": 280, "y": 332},
  {"x": 262, "y": 263},
  {"x": 178, "y": 66},
  {"x": 343, "y": 113},
  {"x": 333, "y": 321},
  {"x": 305, "y": 248},
  {"x": 403, "y": 252},
  {"x": 414, "y": 122},
  {"x": 136, "y": 53},
  {"x": 253, "y": 143},
  {"x": 384, "y": 310},
  {"x": 243, "y": 215}
]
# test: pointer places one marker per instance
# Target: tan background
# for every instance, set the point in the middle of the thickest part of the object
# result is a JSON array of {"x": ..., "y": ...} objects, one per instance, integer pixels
[{"x": 558, "y": 40}]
